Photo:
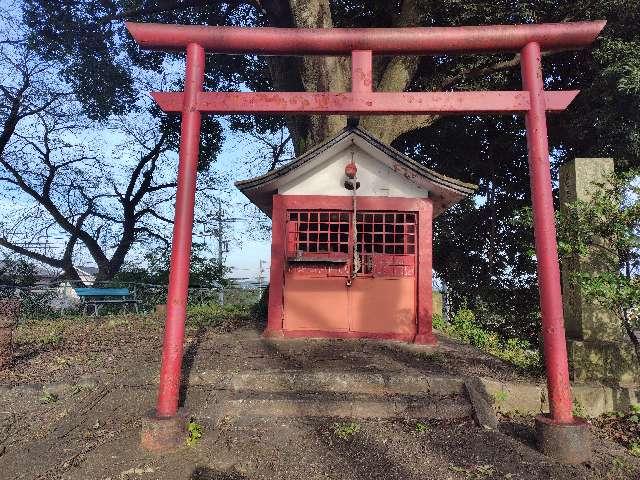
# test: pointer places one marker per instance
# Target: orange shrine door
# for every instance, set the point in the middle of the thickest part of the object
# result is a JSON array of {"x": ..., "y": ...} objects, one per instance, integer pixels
[{"x": 320, "y": 293}]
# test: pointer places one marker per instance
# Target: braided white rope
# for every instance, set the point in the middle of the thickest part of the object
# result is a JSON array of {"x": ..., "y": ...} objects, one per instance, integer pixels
[{"x": 354, "y": 222}]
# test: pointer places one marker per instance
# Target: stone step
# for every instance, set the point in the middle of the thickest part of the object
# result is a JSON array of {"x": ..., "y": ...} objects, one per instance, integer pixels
[
  {"x": 346, "y": 406},
  {"x": 299, "y": 381}
]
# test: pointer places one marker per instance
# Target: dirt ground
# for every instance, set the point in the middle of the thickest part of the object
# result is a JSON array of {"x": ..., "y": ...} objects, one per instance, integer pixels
[
  {"x": 99, "y": 378},
  {"x": 127, "y": 348}
]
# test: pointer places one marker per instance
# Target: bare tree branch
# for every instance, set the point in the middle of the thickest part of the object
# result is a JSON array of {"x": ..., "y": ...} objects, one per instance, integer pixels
[
  {"x": 165, "y": 6},
  {"x": 54, "y": 262}
]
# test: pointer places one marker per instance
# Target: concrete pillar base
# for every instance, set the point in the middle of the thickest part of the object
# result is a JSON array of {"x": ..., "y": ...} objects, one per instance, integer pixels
[
  {"x": 425, "y": 339},
  {"x": 568, "y": 443},
  {"x": 162, "y": 435}
]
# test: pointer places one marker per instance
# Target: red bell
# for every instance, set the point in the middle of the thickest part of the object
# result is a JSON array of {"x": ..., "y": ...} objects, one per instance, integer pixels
[{"x": 350, "y": 170}]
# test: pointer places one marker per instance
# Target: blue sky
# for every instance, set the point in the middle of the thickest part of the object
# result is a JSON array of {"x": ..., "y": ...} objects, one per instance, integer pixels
[
  {"x": 243, "y": 256},
  {"x": 238, "y": 160}
]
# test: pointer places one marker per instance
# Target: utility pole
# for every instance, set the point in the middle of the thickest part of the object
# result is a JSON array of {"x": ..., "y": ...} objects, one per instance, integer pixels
[
  {"x": 219, "y": 234},
  {"x": 221, "y": 221},
  {"x": 260, "y": 273}
]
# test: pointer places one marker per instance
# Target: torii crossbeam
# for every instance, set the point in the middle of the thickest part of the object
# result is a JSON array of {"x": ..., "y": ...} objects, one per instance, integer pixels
[{"x": 533, "y": 101}]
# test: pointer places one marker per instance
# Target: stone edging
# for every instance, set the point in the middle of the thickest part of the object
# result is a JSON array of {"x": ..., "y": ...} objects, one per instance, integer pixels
[{"x": 591, "y": 400}]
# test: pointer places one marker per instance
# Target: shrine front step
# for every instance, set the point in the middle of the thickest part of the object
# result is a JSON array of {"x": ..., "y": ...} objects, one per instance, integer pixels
[
  {"x": 356, "y": 383},
  {"x": 346, "y": 406}
]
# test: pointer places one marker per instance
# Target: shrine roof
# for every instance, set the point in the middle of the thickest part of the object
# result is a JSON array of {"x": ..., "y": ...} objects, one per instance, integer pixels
[{"x": 443, "y": 190}]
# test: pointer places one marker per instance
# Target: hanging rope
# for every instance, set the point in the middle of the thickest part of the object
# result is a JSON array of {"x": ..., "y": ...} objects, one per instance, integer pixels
[{"x": 352, "y": 181}]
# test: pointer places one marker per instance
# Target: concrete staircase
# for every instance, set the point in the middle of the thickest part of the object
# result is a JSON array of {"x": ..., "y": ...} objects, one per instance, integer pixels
[{"x": 343, "y": 395}]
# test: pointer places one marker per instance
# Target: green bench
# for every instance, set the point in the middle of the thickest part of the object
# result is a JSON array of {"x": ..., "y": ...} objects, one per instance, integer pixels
[{"x": 95, "y": 298}]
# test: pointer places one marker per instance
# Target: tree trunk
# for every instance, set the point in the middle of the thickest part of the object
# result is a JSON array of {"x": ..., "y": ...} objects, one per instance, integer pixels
[{"x": 333, "y": 74}]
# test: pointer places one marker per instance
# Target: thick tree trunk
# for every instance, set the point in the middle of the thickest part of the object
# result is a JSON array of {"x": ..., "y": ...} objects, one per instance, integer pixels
[{"x": 333, "y": 74}]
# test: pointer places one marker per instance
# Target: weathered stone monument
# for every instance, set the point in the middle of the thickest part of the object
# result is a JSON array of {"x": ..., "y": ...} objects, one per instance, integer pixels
[{"x": 599, "y": 349}]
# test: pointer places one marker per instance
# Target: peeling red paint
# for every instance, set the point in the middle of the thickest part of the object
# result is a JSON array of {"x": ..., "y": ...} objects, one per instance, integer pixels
[
  {"x": 381, "y": 41},
  {"x": 555, "y": 348},
  {"x": 362, "y": 102}
]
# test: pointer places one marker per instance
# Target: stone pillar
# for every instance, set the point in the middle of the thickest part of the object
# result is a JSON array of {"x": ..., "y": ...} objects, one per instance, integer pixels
[
  {"x": 8, "y": 321},
  {"x": 598, "y": 347}
]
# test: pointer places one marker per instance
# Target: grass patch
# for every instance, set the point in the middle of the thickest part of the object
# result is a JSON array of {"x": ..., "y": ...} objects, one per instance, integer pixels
[
  {"x": 117, "y": 321},
  {"x": 45, "y": 333},
  {"x": 420, "y": 428},
  {"x": 620, "y": 465},
  {"x": 432, "y": 357},
  {"x": 517, "y": 352},
  {"x": 345, "y": 430},
  {"x": 49, "y": 397},
  {"x": 500, "y": 396},
  {"x": 195, "y": 433},
  {"x": 50, "y": 334},
  {"x": 226, "y": 317}
]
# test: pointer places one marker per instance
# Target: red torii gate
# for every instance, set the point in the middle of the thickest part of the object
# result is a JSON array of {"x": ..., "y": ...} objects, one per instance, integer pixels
[{"x": 361, "y": 44}]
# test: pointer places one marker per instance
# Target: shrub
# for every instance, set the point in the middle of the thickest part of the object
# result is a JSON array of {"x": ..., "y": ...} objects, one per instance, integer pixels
[
  {"x": 260, "y": 308},
  {"x": 513, "y": 350},
  {"x": 214, "y": 314}
]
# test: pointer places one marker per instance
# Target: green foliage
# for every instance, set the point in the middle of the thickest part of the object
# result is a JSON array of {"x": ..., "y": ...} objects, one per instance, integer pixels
[
  {"x": 500, "y": 396},
  {"x": 621, "y": 64},
  {"x": 18, "y": 272},
  {"x": 420, "y": 428},
  {"x": 52, "y": 339},
  {"x": 345, "y": 430},
  {"x": 608, "y": 222},
  {"x": 204, "y": 272},
  {"x": 214, "y": 314},
  {"x": 261, "y": 307},
  {"x": 117, "y": 321},
  {"x": 43, "y": 333},
  {"x": 621, "y": 464},
  {"x": 49, "y": 397},
  {"x": 515, "y": 351},
  {"x": 194, "y": 431},
  {"x": 622, "y": 427},
  {"x": 578, "y": 409}
]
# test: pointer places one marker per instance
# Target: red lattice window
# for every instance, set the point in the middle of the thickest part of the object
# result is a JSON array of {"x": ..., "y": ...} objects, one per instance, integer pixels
[
  {"x": 386, "y": 241},
  {"x": 386, "y": 232},
  {"x": 313, "y": 232}
]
